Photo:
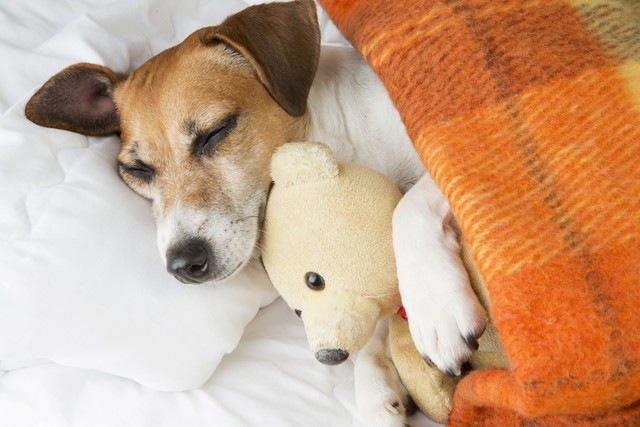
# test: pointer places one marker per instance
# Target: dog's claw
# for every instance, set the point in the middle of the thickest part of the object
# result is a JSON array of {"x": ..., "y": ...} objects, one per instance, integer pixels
[
  {"x": 428, "y": 361},
  {"x": 450, "y": 372},
  {"x": 393, "y": 407},
  {"x": 449, "y": 339},
  {"x": 472, "y": 342},
  {"x": 453, "y": 372},
  {"x": 466, "y": 368}
]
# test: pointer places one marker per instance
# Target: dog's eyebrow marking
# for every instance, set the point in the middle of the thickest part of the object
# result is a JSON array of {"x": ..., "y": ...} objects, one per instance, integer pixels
[
  {"x": 132, "y": 149},
  {"x": 190, "y": 128}
]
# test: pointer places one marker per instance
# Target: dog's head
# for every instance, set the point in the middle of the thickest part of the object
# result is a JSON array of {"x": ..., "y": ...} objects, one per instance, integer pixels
[{"x": 198, "y": 124}]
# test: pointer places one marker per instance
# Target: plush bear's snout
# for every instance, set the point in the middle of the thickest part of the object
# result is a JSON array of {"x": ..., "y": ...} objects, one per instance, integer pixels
[{"x": 332, "y": 357}]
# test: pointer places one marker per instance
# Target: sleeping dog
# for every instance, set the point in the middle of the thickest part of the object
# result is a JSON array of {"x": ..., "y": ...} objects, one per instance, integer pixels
[{"x": 199, "y": 122}]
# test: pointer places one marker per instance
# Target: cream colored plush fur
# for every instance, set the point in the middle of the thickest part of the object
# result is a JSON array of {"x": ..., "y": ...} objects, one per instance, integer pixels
[
  {"x": 305, "y": 227},
  {"x": 335, "y": 221}
]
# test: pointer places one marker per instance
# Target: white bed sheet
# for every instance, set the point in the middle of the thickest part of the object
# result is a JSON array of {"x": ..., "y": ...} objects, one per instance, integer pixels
[{"x": 269, "y": 379}]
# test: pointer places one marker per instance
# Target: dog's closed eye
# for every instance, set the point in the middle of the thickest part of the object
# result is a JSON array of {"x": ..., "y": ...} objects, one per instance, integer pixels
[
  {"x": 138, "y": 170},
  {"x": 206, "y": 142}
]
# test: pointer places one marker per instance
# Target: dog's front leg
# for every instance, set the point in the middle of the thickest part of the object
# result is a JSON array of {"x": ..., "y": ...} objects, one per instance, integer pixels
[
  {"x": 445, "y": 317},
  {"x": 381, "y": 397}
]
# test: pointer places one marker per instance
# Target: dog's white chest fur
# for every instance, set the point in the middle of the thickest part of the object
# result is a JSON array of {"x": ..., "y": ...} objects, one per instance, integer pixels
[{"x": 351, "y": 112}]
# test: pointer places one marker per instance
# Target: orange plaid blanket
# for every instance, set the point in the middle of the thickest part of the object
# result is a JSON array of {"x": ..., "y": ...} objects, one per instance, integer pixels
[{"x": 527, "y": 114}]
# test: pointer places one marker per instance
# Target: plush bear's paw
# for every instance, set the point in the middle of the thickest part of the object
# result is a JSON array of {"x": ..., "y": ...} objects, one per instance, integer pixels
[{"x": 446, "y": 329}]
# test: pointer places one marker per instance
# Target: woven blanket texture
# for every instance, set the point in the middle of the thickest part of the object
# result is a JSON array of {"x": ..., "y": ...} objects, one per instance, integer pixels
[{"x": 527, "y": 114}]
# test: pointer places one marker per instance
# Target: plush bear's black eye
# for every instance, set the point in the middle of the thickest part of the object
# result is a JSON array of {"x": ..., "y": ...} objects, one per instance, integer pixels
[
  {"x": 314, "y": 281},
  {"x": 298, "y": 312}
]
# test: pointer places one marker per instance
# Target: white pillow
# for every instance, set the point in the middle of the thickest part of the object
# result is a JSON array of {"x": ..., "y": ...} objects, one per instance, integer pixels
[{"x": 81, "y": 280}]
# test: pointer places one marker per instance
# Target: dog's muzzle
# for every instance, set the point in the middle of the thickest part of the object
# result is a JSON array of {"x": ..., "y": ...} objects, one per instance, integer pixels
[{"x": 190, "y": 262}]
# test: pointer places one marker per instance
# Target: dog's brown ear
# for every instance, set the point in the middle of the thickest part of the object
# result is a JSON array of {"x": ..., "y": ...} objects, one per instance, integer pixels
[
  {"x": 79, "y": 99},
  {"x": 282, "y": 43}
]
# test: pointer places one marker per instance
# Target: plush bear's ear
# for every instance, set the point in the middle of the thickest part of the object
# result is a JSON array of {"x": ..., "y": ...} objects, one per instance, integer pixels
[{"x": 298, "y": 162}]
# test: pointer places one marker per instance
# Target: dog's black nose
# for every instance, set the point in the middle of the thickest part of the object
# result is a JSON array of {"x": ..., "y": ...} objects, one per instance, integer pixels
[
  {"x": 332, "y": 357},
  {"x": 189, "y": 262}
]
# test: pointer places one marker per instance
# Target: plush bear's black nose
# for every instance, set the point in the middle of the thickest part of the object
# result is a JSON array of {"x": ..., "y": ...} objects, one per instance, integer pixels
[
  {"x": 190, "y": 262},
  {"x": 332, "y": 357}
]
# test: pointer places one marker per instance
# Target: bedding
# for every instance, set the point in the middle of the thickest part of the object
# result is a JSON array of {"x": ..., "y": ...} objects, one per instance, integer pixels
[
  {"x": 93, "y": 331},
  {"x": 82, "y": 281},
  {"x": 527, "y": 114}
]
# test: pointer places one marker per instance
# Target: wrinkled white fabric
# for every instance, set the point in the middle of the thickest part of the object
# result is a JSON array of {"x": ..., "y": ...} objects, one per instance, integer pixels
[{"x": 81, "y": 280}]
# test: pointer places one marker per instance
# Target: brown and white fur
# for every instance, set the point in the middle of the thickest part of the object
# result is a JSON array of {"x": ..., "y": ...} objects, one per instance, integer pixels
[{"x": 198, "y": 124}]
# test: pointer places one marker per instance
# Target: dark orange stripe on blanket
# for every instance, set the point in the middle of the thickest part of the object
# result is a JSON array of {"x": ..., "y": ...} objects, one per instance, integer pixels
[{"x": 470, "y": 408}]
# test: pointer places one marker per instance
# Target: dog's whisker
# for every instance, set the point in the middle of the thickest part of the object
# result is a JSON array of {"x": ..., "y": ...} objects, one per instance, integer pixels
[{"x": 244, "y": 219}]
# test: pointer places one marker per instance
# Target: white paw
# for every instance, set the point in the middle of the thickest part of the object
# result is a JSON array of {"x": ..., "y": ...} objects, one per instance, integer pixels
[
  {"x": 445, "y": 328},
  {"x": 388, "y": 410},
  {"x": 445, "y": 317},
  {"x": 381, "y": 397}
]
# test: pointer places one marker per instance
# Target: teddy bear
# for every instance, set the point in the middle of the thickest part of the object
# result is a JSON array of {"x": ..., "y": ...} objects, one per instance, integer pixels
[{"x": 327, "y": 247}]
